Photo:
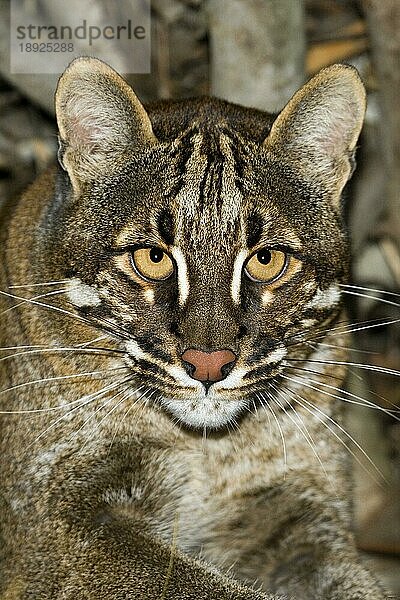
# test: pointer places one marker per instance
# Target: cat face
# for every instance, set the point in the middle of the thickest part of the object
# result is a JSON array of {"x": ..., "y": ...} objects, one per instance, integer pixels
[{"x": 208, "y": 234}]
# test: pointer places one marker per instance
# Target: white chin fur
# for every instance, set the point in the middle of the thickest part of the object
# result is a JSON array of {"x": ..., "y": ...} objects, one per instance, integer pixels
[{"x": 204, "y": 412}]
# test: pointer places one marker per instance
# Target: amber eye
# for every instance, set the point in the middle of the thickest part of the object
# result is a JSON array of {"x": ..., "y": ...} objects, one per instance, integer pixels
[
  {"x": 152, "y": 263},
  {"x": 266, "y": 265}
]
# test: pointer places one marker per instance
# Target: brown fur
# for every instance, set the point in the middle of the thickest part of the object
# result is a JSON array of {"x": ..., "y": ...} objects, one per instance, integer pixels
[{"x": 131, "y": 499}]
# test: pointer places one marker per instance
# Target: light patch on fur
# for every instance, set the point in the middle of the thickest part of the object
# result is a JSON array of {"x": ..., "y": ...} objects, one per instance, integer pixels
[
  {"x": 81, "y": 294},
  {"x": 149, "y": 296},
  {"x": 121, "y": 496},
  {"x": 232, "y": 381},
  {"x": 135, "y": 350},
  {"x": 183, "y": 378},
  {"x": 267, "y": 297},
  {"x": 237, "y": 276},
  {"x": 42, "y": 465},
  {"x": 183, "y": 279},
  {"x": 205, "y": 411},
  {"x": 309, "y": 287},
  {"x": 276, "y": 355},
  {"x": 308, "y": 322},
  {"x": 325, "y": 298}
]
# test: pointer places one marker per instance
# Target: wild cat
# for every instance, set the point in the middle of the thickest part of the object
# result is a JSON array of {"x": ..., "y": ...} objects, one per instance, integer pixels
[{"x": 174, "y": 350}]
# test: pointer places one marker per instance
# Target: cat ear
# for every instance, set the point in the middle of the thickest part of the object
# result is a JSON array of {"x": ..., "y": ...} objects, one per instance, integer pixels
[
  {"x": 99, "y": 120},
  {"x": 317, "y": 131}
]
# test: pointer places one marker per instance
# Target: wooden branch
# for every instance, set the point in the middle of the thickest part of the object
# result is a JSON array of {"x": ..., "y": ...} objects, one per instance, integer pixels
[
  {"x": 383, "y": 19},
  {"x": 257, "y": 50}
]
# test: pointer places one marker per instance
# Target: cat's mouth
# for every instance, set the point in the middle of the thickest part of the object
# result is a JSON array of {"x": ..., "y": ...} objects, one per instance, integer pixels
[
  {"x": 206, "y": 405},
  {"x": 209, "y": 411},
  {"x": 196, "y": 402}
]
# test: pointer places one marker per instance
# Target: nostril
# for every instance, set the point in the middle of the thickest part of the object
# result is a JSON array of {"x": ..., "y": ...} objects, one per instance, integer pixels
[
  {"x": 208, "y": 366},
  {"x": 190, "y": 368},
  {"x": 227, "y": 368}
]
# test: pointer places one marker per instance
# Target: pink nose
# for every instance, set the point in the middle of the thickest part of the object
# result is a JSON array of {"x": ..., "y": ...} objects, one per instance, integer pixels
[{"x": 208, "y": 365}]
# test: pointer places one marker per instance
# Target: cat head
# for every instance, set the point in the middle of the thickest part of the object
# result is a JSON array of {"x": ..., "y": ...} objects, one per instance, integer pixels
[{"x": 208, "y": 234}]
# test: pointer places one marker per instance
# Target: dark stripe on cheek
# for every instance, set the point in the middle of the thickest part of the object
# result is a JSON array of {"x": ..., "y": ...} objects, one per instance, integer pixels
[
  {"x": 263, "y": 371},
  {"x": 151, "y": 345},
  {"x": 166, "y": 226},
  {"x": 150, "y": 369}
]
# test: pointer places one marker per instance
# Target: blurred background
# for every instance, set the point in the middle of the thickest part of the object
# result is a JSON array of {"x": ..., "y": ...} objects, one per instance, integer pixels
[{"x": 257, "y": 53}]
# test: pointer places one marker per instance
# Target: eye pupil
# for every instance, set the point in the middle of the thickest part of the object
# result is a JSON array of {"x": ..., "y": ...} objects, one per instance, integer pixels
[
  {"x": 156, "y": 255},
  {"x": 264, "y": 256}
]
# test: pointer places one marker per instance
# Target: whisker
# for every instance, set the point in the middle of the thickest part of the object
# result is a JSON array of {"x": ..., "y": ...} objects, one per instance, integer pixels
[
  {"x": 368, "y": 289},
  {"x": 117, "y": 405},
  {"x": 343, "y": 329},
  {"x": 268, "y": 416},
  {"x": 85, "y": 401},
  {"x": 69, "y": 349},
  {"x": 52, "y": 293},
  {"x": 92, "y": 416},
  {"x": 48, "y": 306},
  {"x": 301, "y": 400},
  {"x": 345, "y": 348},
  {"x": 124, "y": 416},
  {"x": 48, "y": 409},
  {"x": 59, "y": 378},
  {"x": 8, "y": 348},
  {"x": 204, "y": 440},
  {"x": 304, "y": 432},
  {"x": 361, "y": 295},
  {"x": 359, "y": 400},
  {"x": 326, "y": 375},
  {"x": 255, "y": 411},
  {"x": 382, "y": 322},
  {"x": 395, "y": 408},
  {"x": 97, "y": 339},
  {"x": 267, "y": 405},
  {"x": 372, "y": 368},
  {"x": 107, "y": 325},
  {"x": 30, "y": 285}
]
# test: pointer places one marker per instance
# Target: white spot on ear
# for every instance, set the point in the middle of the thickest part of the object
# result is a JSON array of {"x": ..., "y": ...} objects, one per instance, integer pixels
[
  {"x": 149, "y": 296},
  {"x": 183, "y": 280},
  {"x": 81, "y": 294},
  {"x": 325, "y": 298},
  {"x": 237, "y": 276}
]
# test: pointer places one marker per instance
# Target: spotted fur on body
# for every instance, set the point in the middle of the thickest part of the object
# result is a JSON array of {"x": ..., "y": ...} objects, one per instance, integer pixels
[{"x": 132, "y": 478}]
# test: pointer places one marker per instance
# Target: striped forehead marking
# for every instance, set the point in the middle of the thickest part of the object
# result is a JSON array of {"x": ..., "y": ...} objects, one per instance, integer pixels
[
  {"x": 209, "y": 186},
  {"x": 188, "y": 196},
  {"x": 231, "y": 196}
]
